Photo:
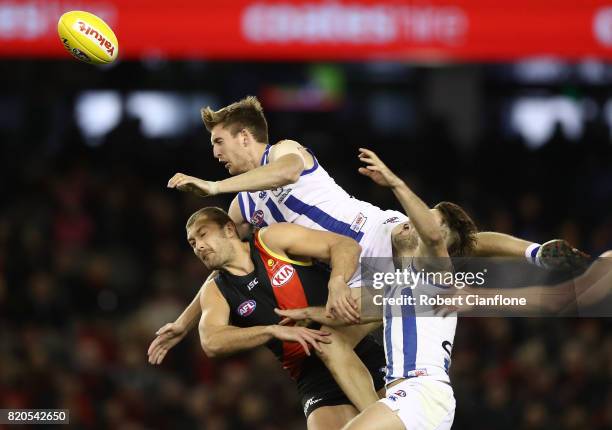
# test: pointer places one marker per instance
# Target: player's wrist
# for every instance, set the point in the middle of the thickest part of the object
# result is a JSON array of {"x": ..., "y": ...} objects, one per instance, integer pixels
[
  {"x": 214, "y": 187},
  {"x": 532, "y": 254},
  {"x": 337, "y": 283}
]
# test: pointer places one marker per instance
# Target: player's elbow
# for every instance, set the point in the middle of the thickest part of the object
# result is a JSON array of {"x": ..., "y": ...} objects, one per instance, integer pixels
[
  {"x": 292, "y": 170},
  {"x": 210, "y": 348},
  {"x": 433, "y": 239},
  {"x": 351, "y": 245}
]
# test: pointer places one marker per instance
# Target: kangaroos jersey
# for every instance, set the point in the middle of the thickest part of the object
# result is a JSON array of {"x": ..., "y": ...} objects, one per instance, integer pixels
[
  {"x": 276, "y": 282},
  {"x": 417, "y": 342},
  {"x": 316, "y": 201}
]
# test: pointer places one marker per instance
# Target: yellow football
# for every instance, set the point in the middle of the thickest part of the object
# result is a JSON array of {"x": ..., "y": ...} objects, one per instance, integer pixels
[{"x": 87, "y": 37}]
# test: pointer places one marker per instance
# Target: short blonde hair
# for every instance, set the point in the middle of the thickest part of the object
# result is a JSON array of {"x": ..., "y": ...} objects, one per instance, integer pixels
[{"x": 244, "y": 114}]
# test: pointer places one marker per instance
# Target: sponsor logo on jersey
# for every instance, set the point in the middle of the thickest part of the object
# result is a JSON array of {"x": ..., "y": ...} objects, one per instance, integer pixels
[
  {"x": 282, "y": 275},
  {"x": 400, "y": 393},
  {"x": 358, "y": 222},
  {"x": 252, "y": 284},
  {"x": 257, "y": 218},
  {"x": 277, "y": 191},
  {"x": 263, "y": 194},
  {"x": 281, "y": 193},
  {"x": 391, "y": 220},
  {"x": 417, "y": 372},
  {"x": 246, "y": 308}
]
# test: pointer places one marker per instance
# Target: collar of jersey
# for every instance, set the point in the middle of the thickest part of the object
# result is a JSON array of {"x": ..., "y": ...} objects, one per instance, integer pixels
[
  {"x": 263, "y": 157},
  {"x": 280, "y": 257}
]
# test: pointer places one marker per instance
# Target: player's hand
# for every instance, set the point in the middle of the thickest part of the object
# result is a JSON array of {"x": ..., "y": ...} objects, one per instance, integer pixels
[
  {"x": 193, "y": 185},
  {"x": 292, "y": 315},
  {"x": 376, "y": 170},
  {"x": 557, "y": 254},
  {"x": 306, "y": 337},
  {"x": 458, "y": 306},
  {"x": 340, "y": 303},
  {"x": 167, "y": 336}
]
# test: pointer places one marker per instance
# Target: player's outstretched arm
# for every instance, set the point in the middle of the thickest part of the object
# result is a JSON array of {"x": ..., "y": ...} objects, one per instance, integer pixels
[
  {"x": 218, "y": 338},
  {"x": 341, "y": 252},
  {"x": 172, "y": 333},
  {"x": 418, "y": 212},
  {"x": 285, "y": 167},
  {"x": 554, "y": 254}
]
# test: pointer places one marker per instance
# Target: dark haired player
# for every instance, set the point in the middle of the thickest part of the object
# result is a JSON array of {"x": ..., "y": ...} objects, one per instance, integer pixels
[{"x": 275, "y": 269}]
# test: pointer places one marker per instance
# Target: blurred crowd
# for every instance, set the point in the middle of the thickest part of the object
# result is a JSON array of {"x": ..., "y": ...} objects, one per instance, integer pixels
[{"x": 93, "y": 260}]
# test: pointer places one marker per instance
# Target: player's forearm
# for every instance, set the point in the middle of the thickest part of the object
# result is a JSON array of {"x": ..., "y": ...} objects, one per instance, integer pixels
[
  {"x": 230, "y": 340},
  {"x": 492, "y": 244},
  {"x": 419, "y": 214},
  {"x": 191, "y": 315},
  {"x": 318, "y": 314},
  {"x": 286, "y": 170},
  {"x": 344, "y": 259}
]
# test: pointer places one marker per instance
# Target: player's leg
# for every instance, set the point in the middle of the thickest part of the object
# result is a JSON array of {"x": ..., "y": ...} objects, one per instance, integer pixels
[
  {"x": 331, "y": 417},
  {"x": 348, "y": 370},
  {"x": 377, "y": 416},
  {"x": 415, "y": 403},
  {"x": 340, "y": 358}
]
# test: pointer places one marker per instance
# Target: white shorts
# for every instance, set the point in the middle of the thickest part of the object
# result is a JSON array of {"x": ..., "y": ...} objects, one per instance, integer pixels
[{"x": 422, "y": 403}]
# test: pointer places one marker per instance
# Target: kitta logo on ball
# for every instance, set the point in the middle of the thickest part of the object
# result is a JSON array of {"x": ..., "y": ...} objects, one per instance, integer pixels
[{"x": 96, "y": 36}]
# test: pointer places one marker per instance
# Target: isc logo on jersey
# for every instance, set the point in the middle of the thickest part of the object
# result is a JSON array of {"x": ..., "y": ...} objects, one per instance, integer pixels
[
  {"x": 283, "y": 275},
  {"x": 246, "y": 308}
]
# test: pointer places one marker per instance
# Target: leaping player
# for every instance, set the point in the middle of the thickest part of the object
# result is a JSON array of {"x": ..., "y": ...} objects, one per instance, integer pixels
[{"x": 285, "y": 183}]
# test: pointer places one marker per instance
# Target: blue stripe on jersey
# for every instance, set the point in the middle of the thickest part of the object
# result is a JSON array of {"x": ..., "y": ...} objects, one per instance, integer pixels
[
  {"x": 251, "y": 206},
  {"x": 314, "y": 166},
  {"x": 326, "y": 221},
  {"x": 241, "y": 203},
  {"x": 276, "y": 214},
  {"x": 388, "y": 339},
  {"x": 264, "y": 157},
  {"x": 409, "y": 334}
]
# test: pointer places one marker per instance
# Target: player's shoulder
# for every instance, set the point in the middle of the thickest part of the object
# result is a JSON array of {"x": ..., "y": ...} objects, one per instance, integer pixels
[
  {"x": 277, "y": 235},
  {"x": 211, "y": 284},
  {"x": 286, "y": 143}
]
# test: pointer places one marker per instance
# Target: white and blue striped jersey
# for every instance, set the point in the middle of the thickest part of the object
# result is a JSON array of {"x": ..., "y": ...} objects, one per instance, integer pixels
[
  {"x": 417, "y": 343},
  {"x": 316, "y": 201}
]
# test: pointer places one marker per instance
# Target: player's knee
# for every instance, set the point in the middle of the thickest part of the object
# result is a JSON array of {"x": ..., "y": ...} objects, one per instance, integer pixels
[{"x": 337, "y": 346}]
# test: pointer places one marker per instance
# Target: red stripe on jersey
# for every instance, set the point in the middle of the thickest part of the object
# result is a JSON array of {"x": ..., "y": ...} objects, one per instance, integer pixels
[{"x": 289, "y": 293}]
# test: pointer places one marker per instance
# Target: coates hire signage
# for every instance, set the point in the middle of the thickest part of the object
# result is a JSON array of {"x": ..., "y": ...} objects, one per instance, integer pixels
[{"x": 472, "y": 30}]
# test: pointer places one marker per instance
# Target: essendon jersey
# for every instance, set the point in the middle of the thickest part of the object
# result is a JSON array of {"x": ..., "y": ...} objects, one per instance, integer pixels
[{"x": 276, "y": 282}]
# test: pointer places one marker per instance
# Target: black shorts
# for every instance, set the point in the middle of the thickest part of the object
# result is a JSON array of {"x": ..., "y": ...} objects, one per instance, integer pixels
[{"x": 317, "y": 387}]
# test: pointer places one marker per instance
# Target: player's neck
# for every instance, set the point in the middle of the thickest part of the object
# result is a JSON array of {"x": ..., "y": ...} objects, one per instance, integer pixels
[
  {"x": 241, "y": 263},
  {"x": 257, "y": 153}
]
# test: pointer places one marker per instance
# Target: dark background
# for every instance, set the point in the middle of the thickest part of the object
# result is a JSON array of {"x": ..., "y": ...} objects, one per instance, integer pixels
[{"x": 93, "y": 255}]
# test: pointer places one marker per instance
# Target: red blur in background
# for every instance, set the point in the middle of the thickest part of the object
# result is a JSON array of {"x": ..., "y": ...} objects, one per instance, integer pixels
[{"x": 434, "y": 30}]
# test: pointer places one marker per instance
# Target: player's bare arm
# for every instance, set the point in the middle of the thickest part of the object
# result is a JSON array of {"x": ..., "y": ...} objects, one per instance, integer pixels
[
  {"x": 554, "y": 254},
  {"x": 341, "y": 252},
  {"x": 218, "y": 338},
  {"x": 432, "y": 242},
  {"x": 242, "y": 226},
  {"x": 288, "y": 159},
  {"x": 172, "y": 333}
]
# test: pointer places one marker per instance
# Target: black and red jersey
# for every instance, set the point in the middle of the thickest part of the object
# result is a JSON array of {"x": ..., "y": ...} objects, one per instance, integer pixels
[{"x": 276, "y": 282}]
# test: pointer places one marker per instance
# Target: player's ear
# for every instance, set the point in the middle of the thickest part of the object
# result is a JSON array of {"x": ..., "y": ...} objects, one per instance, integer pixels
[
  {"x": 229, "y": 230},
  {"x": 244, "y": 137}
]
